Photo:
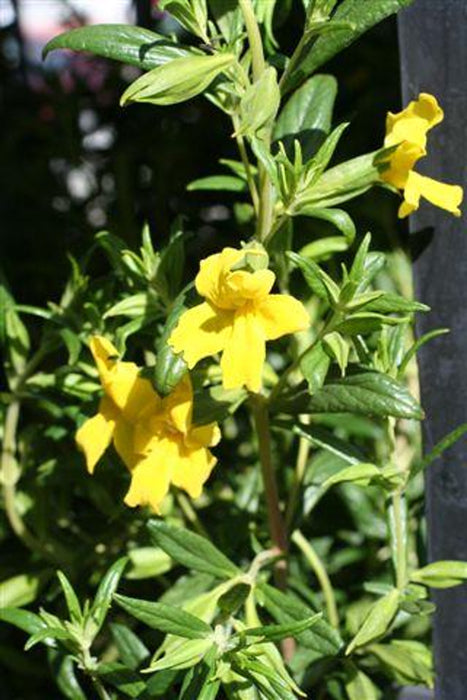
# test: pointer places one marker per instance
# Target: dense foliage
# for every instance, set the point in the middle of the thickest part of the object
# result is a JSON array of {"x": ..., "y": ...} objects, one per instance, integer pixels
[{"x": 300, "y": 570}]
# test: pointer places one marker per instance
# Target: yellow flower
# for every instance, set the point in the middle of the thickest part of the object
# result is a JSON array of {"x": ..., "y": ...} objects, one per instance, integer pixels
[
  {"x": 407, "y": 131},
  {"x": 237, "y": 318},
  {"x": 154, "y": 436}
]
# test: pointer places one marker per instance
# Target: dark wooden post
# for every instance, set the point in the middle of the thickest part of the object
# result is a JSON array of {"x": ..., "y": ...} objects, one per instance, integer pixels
[{"x": 433, "y": 42}]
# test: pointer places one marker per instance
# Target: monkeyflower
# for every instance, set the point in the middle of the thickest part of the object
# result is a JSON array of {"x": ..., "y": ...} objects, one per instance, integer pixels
[
  {"x": 407, "y": 131},
  {"x": 237, "y": 317},
  {"x": 154, "y": 436}
]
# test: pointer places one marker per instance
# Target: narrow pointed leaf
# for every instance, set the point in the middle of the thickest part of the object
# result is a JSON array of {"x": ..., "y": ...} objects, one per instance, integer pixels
[
  {"x": 192, "y": 550},
  {"x": 166, "y": 618}
]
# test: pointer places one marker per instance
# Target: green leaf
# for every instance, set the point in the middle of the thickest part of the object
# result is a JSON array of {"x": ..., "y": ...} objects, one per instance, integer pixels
[
  {"x": 343, "y": 182},
  {"x": 259, "y": 104},
  {"x": 20, "y": 590},
  {"x": 359, "y": 17},
  {"x": 160, "y": 683},
  {"x": 441, "y": 574},
  {"x": 186, "y": 654},
  {"x": 134, "y": 306},
  {"x": 358, "y": 686},
  {"x": 274, "y": 633},
  {"x": 170, "y": 367},
  {"x": 120, "y": 42},
  {"x": 123, "y": 678},
  {"x": 47, "y": 634},
  {"x": 407, "y": 661},
  {"x": 431, "y": 335},
  {"x": 318, "y": 281},
  {"x": 339, "y": 348},
  {"x": 107, "y": 588},
  {"x": 324, "y": 248},
  {"x": 177, "y": 81},
  {"x": 369, "y": 393},
  {"x": 192, "y": 14},
  {"x": 191, "y": 550},
  {"x": 131, "y": 649},
  {"x": 169, "y": 275},
  {"x": 366, "y": 322},
  {"x": 323, "y": 439},
  {"x": 73, "y": 605},
  {"x": 23, "y": 619},
  {"x": 230, "y": 601},
  {"x": 199, "y": 681},
  {"x": 214, "y": 183},
  {"x": 166, "y": 618},
  {"x": 307, "y": 116},
  {"x": 287, "y": 609},
  {"x": 148, "y": 562},
  {"x": 63, "y": 669},
  {"x": 388, "y": 303},
  {"x": 215, "y": 404},
  {"x": 377, "y": 621},
  {"x": 314, "y": 366},
  {"x": 439, "y": 448},
  {"x": 228, "y": 17},
  {"x": 338, "y": 217},
  {"x": 360, "y": 474}
]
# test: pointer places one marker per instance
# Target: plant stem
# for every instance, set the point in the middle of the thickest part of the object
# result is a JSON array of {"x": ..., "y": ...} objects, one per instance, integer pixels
[
  {"x": 398, "y": 515},
  {"x": 293, "y": 60},
  {"x": 327, "y": 328},
  {"x": 275, "y": 519},
  {"x": 266, "y": 203},
  {"x": 8, "y": 466},
  {"x": 254, "y": 38},
  {"x": 300, "y": 467},
  {"x": 246, "y": 164},
  {"x": 100, "y": 690},
  {"x": 321, "y": 574},
  {"x": 190, "y": 514}
]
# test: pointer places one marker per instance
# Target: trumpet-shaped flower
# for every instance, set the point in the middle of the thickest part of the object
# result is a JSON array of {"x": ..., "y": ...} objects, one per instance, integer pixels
[
  {"x": 407, "y": 132},
  {"x": 154, "y": 436},
  {"x": 237, "y": 317}
]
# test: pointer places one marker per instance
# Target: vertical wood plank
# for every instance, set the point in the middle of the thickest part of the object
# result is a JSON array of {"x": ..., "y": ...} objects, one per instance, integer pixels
[{"x": 433, "y": 42}]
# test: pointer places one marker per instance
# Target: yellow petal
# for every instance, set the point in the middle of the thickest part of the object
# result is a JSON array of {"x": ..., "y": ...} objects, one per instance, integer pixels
[
  {"x": 179, "y": 405},
  {"x": 124, "y": 443},
  {"x": 203, "y": 436},
  {"x": 95, "y": 435},
  {"x": 212, "y": 271},
  {"x": 192, "y": 469},
  {"x": 150, "y": 479},
  {"x": 448, "y": 197},
  {"x": 201, "y": 331},
  {"x": 413, "y": 122},
  {"x": 245, "y": 352},
  {"x": 104, "y": 353},
  {"x": 241, "y": 286},
  {"x": 281, "y": 314},
  {"x": 121, "y": 380},
  {"x": 400, "y": 163}
]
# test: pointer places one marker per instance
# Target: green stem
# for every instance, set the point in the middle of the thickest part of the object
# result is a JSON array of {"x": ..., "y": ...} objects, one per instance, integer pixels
[
  {"x": 254, "y": 38},
  {"x": 300, "y": 467},
  {"x": 190, "y": 514},
  {"x": 321, "y": 574},
  {"x": 266, "y": 202},
  {"x": 99, "y": 688},
  {"x": 275, "y": 519},
  {"x": 281, "y": 384},
  {"x": 399, "y": 523},
  {"x": 293, "y": 61},
  {"x": 246, "y": 164},
  {"x": 8, "y": 465}
]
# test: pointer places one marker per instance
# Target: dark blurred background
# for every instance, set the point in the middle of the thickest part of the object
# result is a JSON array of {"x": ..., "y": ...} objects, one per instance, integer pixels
[{"x": 72, "y": 162}]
